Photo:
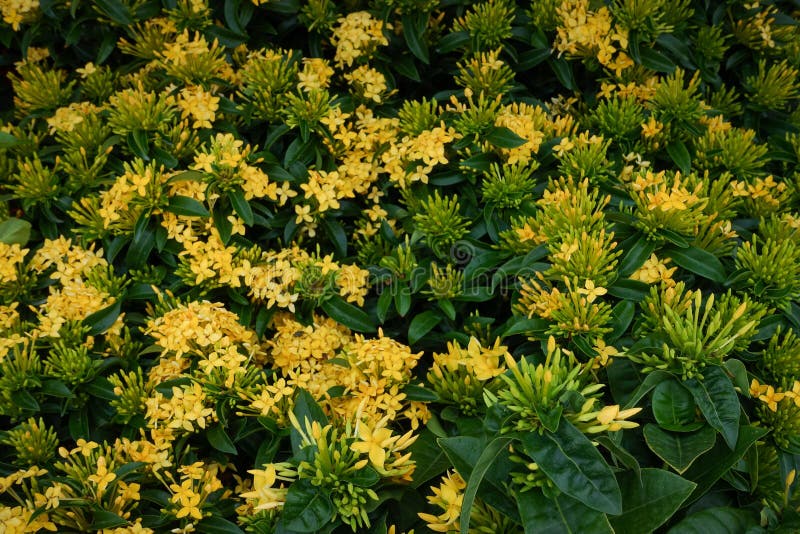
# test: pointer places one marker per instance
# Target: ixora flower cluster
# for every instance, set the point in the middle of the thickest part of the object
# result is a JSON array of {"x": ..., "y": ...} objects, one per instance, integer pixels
[{"x": 399, "y": 266}]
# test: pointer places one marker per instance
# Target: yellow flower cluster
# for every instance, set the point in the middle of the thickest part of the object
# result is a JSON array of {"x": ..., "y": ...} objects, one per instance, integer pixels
[
  {"x": 17, "y": 12},
  {"x": 357, "y": 36},
  {"x": 12, "y": 258},
  {"x": 592, "y": 34}
]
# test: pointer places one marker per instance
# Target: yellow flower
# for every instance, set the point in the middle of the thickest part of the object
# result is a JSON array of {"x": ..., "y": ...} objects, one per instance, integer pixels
[
  {"x": 612, "y": 419},
  {"x": 771, "y": 397},
  {"x": 188, "y": 500},
  {"x": 591, "y": 291},
  {"x": 102, "y": 478},
  {"x": 374, "y": 442}
]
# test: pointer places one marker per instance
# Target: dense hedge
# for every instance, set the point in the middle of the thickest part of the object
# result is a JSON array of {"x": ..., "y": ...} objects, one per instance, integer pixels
[{"x": 399, "y": 265}]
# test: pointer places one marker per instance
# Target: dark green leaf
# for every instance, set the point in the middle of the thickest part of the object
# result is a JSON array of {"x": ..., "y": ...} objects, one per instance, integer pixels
[
  {"x": 181, "y": 205},
  {"x": 15, "y": 231},
  {"x": 402, "y": 301},
  {"x": 7, "y": 140},
  {"x": 699, "y": 262},
  {"x": 220, "y": 440},
  {"x": 638, "y": 252},
  {"x": 241, "y": 207},
  {"x": 718, "y": 401},
  {"x": 503, "y": 137},
  {"x": 307, "y": 507},
  {"x": 101, "y": 388},
  {"x": 429, "y": 457},
  {"x": 419, "y": 393},
  {"x": 217, "y": 525},
  {"x": 348, "y": 315},
  {"x": 739, "y": 373},
  {"x": 115, "y": 10},
  {"x": 621, "y": 318},
  {"x": 575, "y": 466},
  {"x": 720, "y": 459},
  {"x": 562, "y": 514},
  {"x": 483, "y": 464},
  {"x": 629, "y": 289},
  {"x": 104, "y": 519},
  {"x": 651, "y": 380},
  {"x": 720, "y": 520},
  {"x": 620, "y": 454},
  {"x": 422, "y": 324},
  {"x": 23, "y": 399},
  {"x": 677, "y": 151},
  {"x": 674, "y": 407},
  {"x": 563, "y": 71},
  {"x": 656, "y": 61},
  {"x": 56, "y": 388},
  {"x": 139, "y": 144},
  {"x": 414, "y": 25},
  {"x": 337, "y": 236},
  {"x": 650, "y": 503},
  {"x": 101, "y": 320},
  {"x": 679, "y": 450}
]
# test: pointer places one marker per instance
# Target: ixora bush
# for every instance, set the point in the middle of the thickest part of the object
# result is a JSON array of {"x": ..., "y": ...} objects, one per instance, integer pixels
[{"x": 399, "y": 265}]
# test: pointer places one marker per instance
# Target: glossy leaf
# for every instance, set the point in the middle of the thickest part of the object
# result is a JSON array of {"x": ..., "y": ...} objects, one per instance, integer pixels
[
  {"x": 220, "y": 440},
  {"x": 718, "y": 402},
  {"x": 307, "y": 508},
  {"x": 720, "y": 520},
  {"x": 181, "y": 205},
  {"x": 649, "y": 503},
  {"x": 674, "y": 407},
  {"x": 575, "y": 466},
  {"x": 422, "y": 324},
  {"x": 15, "y": 231},
  {"x": 348, "y": 315},
  {"x": 503, "y": 137},
  {"x": 699, "y": 262},
  {"x": 679, "y": 450},
  {"x": 483, "y": 464},
  {"x": 562, "y": 514}
]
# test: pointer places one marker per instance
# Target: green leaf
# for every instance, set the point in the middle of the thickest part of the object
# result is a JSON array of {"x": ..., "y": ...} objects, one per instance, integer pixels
[
  {"x": 629, "y": 289},
  {"x": 220, "y": 440},
  {"x": 575, "y": 466},
  {"x": 503, "y": 137},
  {"x": 637, "y": 254},
  {"x": 307, "y": 507},
  {"x": 181, "y": 205},
  {"x": 23, "y": 399},
  {"x": 429, "y": 458},
  {"x": 217, "y": 525},
  {"x": 739, "y": 373},
  {"x": 679, "y": 450},
  {"x": 621, "y": 318},
  {"x": 402, "y": 301},
  {"x": 620, "y": 454},
  {"x": 241, "y": 207},
  {"x": 650, "y": 381},
  {"x": 101, "y": 320},
  {"x": 414, "y": 26},
  {"x": 650, "y": 503},
  {"x": 305, "y": 409},
  {"x": 674, "y": 407},
  {"x": 139, "y": 144},
  {"x": 656, "y": 61},
  {"x": 115, "y": 10},
  {"x": 560, "y": 514},
  {"x": 720, "y": 459},
  {"x": 104, "y": 519},
  {"x": 717, "y": 401},
  {"x": 56, "y": 388},
  {"x": 464, "y": 452},
  {"x": 337, "y": 236},
  {"x": 422, "y": 324},
  {"x": 15, "y": 232},
  {"x": 419, "y": 393},
  {"x": 677, "y": 151},
  {"x": 7, "y": 140},
  {"x": 699, "y": 262},
  {"x": 563, "y": 71},
  {"x": 720, "y": 520},
  {"x": 347, "y": 314},
  {"x": 483, "y": 464}
]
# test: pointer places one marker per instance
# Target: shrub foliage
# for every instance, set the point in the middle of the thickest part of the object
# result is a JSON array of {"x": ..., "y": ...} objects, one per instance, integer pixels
[{"x": 399, "y": 265}]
